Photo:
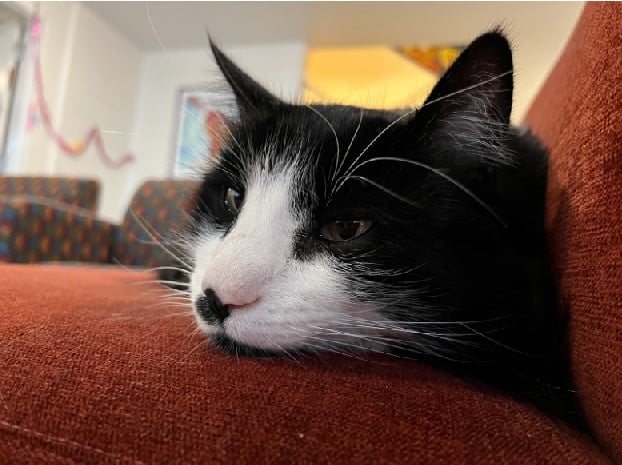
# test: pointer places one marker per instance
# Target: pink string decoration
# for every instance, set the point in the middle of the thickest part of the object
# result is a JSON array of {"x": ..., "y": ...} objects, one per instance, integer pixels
[{"x": 92, "y": 136}]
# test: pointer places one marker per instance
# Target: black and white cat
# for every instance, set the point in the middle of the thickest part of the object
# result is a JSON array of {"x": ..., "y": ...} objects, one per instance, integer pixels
[{"x": 418, "y": 232}]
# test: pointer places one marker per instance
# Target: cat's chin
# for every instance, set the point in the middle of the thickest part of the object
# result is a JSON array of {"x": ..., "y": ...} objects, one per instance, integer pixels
[
  {"x": 219, "y": 338},
  {"x": 230, "y": 346}
]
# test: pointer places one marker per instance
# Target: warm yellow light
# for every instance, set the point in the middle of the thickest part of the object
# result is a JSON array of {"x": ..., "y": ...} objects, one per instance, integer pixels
[{"x": 373, "y": 77}]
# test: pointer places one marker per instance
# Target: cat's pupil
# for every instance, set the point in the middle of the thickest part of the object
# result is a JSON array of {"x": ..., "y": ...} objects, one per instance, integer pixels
[
  {"x": 344, "y": 230},
  {"x": 233, "y": 200},
  {"x": 347, "y": 229}
]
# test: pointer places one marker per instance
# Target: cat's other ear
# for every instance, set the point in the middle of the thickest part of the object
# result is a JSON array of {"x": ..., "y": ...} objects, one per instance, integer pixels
[
  {"x": 477, "y": 87},
  {"x": 250, "y": 96}
]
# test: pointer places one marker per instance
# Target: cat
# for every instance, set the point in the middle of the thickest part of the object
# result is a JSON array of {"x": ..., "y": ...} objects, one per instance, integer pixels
[{"x": 418, "y": 232}]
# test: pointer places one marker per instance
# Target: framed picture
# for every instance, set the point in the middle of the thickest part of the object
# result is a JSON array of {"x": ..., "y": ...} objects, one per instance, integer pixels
[{"x": 200, "y": 114}]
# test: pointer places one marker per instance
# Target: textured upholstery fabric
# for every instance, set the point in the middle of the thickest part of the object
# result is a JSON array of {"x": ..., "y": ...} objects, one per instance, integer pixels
[
  {"x": 159, "y": 206},
  {"x": 95, "y": 371},
  {"x": 43, "y": 218},
  {"x": 81, "y": 193},
  {"x": 35, "y": 229},
  {"x": 31, "y": 232},
  {"x": 578, "y": 114}
]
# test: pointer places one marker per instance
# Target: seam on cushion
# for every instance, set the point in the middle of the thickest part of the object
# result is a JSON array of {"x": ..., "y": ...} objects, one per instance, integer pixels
[
  {"x": 50, "y": 438},
  {"x": 51, "y": 453}
]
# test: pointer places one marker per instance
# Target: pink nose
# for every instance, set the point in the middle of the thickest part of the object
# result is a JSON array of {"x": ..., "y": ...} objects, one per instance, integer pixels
[{"x": 236, "y": 291}]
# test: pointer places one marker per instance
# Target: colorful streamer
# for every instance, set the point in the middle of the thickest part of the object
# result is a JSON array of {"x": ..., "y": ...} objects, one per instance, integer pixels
[{"x": 93, "y": 135}]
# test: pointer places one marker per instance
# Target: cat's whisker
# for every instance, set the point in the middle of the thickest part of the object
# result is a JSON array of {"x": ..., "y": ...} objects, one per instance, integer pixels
[
  {"x": 345, "y": 157},
  {"x": 172, "y": 305},
  {"x": 362, "y": 349},
  {"x": 477, "y": 85},
  {"x": 433, "y": 323},
  {"x": 201, "y": 343},
  {"x": 170, "y": 315},
  {"x": 411, "y": 112},
  {"x": 141, "y": 222},
  {"x": 393, "y": 328},
  {"x": 386, "y": 190},
  {"x": 332, "y": 128},
  {"x": 170, "y": 267},
  {"x": 330, "y": 347},
  {"x": 153, "y": 28},
  {"x": 177, "y": 298},
  {"x": 179, "y": 304},
  {"x": 218, "y": 114},
  {"x": 505, "y": 346},
  {"x": 442, "y": 175},
  {"x": 158, "y": 281}
]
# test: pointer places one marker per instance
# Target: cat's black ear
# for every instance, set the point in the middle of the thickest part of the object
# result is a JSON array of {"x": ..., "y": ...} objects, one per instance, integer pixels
[
  {"x": 249, "y": 95},
  {"x": 477, "y": 87}
]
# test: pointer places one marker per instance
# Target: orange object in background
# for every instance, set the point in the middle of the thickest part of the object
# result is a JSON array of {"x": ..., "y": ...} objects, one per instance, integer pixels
[{"x": 381, "y": 76}]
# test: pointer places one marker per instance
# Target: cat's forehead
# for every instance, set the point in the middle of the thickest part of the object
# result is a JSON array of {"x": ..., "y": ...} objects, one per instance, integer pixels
[
  {"x": 318, "y": 147},
  {"x": 315, "y": 123},
  {"x": 314, "y": 134}
]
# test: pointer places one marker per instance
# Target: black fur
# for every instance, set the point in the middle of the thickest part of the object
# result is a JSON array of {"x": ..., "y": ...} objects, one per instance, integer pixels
[{"x": 458, "y": 232}]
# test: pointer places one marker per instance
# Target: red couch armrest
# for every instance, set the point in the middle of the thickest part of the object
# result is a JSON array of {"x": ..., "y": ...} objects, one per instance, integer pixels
[{"x": 578, "y": 115}]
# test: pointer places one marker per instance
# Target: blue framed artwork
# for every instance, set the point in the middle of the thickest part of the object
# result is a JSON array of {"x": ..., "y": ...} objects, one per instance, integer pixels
[{"x": 193, "y": 135}]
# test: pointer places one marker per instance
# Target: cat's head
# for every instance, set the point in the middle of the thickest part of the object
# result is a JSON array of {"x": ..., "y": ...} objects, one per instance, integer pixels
[{"x": 330, "y": 227}]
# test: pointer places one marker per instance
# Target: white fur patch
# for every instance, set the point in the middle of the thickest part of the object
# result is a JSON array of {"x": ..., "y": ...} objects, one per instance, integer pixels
[{"x": 276, "y": 301}]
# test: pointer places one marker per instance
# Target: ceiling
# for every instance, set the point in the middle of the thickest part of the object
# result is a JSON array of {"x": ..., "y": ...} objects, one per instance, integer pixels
[{"x": 184, "y": 24}]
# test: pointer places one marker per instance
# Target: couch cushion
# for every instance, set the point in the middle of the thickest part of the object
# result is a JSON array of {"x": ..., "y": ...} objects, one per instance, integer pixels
[
  {"x": 156, "y": 210},
  {"x": 578, "y": 113},
  {"x": 95, "y": 370},
  {"x": 73, "y": 192}
]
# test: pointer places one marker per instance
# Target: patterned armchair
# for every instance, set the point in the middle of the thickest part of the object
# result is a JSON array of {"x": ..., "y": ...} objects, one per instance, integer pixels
[
  {"x": 82, "y": 193},
  {"x": 37, "y": 228},
  {"x": 48, "y": 218},
  {"x": 156, "y": 211}
]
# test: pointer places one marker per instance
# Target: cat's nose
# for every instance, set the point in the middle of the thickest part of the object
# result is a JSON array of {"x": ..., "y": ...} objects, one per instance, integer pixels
[
  {"x": 236, "y": 291},
  {"x": 215, "y": 306}
]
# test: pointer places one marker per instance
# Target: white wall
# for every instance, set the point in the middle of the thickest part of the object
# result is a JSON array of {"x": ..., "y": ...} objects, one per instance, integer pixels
[
  {"x": 9, "y": 41},
  {"x": 90, "y": 76},
  {"x": 101, "y": 88},
  {"x": 9, "y": 35}
]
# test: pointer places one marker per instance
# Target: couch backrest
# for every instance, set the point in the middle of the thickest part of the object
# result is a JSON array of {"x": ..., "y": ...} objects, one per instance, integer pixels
[
  {"x": 160, "y": 207},
  {"x": 578, "y": 114},
  {"x": 75, "y": 192}
]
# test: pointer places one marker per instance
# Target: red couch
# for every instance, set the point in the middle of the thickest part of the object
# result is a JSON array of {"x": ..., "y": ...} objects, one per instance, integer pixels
[{"x": 94, "y": 370}]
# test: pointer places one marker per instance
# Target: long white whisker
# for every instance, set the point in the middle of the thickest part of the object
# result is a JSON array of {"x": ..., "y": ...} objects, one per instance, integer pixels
[
  {"x": 414, "y": 110},
  {"x": 442, "y": 175},
  {"x": 153, "y": 29},
  {"x": 165, "y": 249},
  {"x": 385, "y": 189},
  {"x": 356, "y": 131},
  {"x": 332, "y": 128}
]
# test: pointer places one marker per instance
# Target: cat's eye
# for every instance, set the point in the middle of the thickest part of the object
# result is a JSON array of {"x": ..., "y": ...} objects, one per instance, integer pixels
[
  {"x": 233, "y": 201},
  {"x": 344, "y": 230}
]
